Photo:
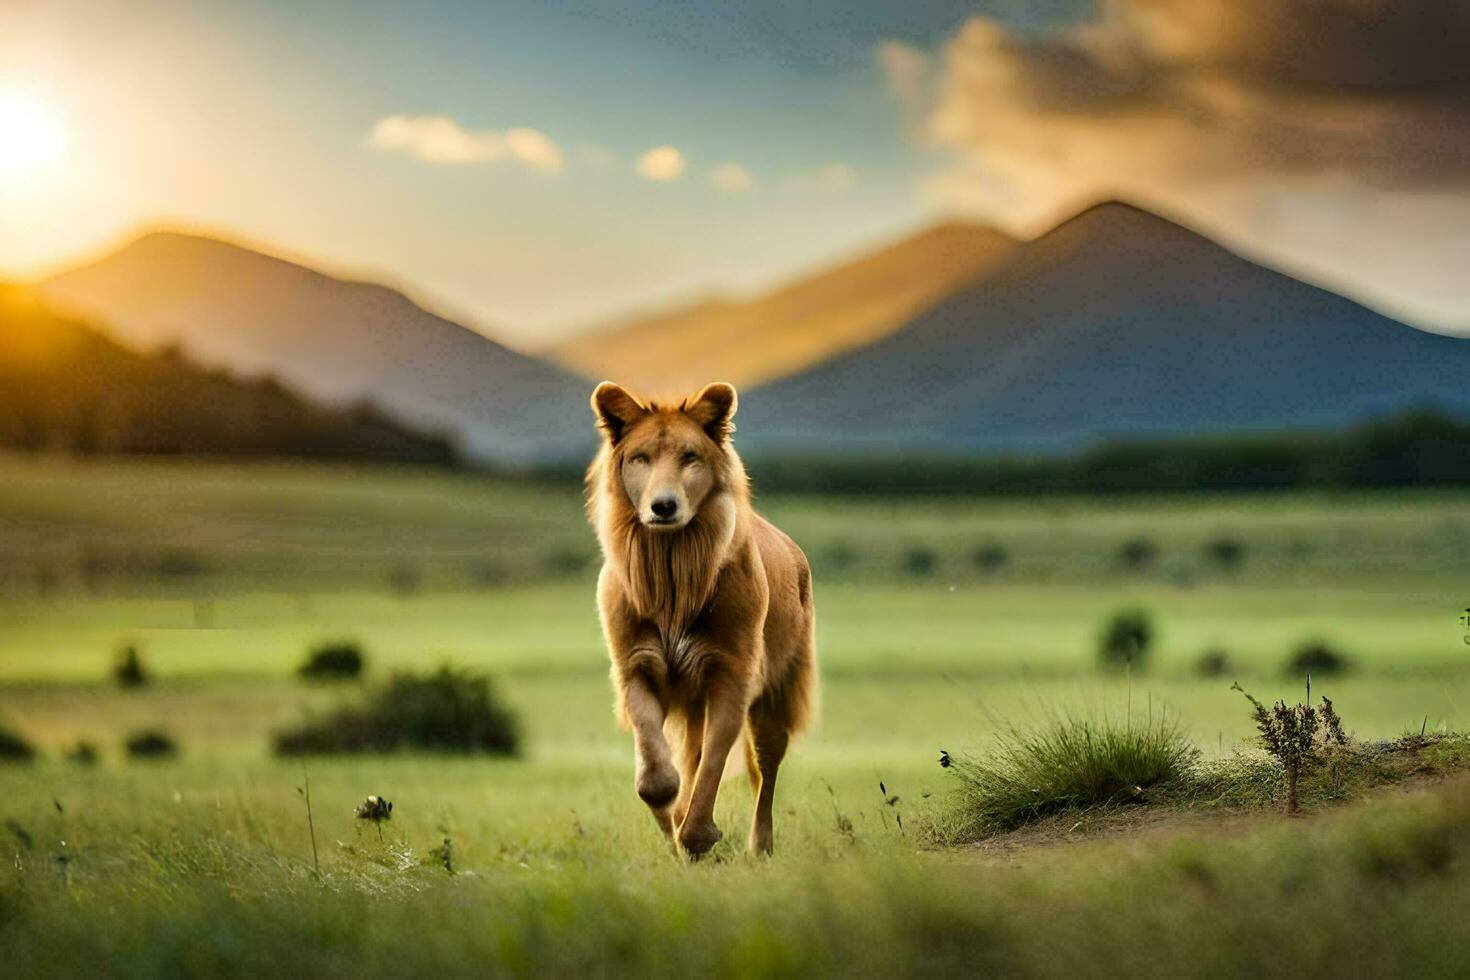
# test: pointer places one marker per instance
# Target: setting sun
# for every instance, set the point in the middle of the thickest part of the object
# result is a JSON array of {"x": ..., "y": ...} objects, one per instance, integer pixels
[{"x": 30, "y": 136}]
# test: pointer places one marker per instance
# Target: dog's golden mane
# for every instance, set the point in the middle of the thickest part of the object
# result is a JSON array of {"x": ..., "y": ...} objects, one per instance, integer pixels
[{"x": 657, "y": 566}]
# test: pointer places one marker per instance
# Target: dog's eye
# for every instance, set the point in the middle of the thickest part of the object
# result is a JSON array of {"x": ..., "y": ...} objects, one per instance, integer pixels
[
  {"x": 689, "y": 458},
  {"x": 638, "y": 458}
]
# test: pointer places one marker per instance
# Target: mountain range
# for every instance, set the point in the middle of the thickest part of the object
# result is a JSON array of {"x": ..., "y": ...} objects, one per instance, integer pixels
[
  {"x": 337, "y": 340},
  {"x": 1117, "y": 323}
]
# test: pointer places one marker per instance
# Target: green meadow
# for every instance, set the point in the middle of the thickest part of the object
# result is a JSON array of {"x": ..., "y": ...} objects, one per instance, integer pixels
[{"x": 939, "y": 621}]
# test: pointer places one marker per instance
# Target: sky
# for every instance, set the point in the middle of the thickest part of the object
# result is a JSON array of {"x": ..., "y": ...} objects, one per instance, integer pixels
[{"x": 535, "y": 168}]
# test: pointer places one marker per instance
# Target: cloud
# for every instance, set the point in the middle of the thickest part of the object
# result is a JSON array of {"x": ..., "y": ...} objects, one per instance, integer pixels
[
  {"x": 662, "y": 164},
  {"x": 442, "y": 140},
  {"x": 732, "y": 178},
  {"x": 436, "y": 139},
  {"x": 831, "y": 178},
  {"x": 1214, "y": 108},
  {"x": 911, "y": 74},
  {"x": 535, "y": 150}
]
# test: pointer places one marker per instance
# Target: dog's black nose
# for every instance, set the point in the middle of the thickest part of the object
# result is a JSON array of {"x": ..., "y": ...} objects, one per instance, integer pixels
[{"x": 665, "y": 507}]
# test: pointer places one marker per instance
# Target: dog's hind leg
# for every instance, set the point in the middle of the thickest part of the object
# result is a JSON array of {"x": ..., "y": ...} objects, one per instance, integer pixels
[
  {"x": 690, "y": 751},
  {"x": 766, "y": 740}
]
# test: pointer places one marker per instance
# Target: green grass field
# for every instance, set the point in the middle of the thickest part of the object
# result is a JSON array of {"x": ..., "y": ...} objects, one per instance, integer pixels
[{"x": 223, "y": 575}]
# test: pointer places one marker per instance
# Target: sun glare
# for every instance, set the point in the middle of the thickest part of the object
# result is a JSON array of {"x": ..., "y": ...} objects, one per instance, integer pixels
[{"x": 30, "y": 136}]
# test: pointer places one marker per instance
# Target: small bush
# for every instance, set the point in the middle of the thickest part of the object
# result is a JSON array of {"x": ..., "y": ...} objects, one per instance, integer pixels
[
  {"x": 151, "y": 744},
  {"x": 1125, "y": 640},
  {"x": 1296, "y": 736},
  {"x": 838, "y": 558},
  {"x": 1319, "y": 659},
  {"x": 129, "y": 671},
  {"x": 1213, "y": 663},
  {"x": 565, "y": 562},
  {"x": 13, "y": 748},
  {"x": 990, "y": 557},
  {"x": 405, "y": 580},
  {"x": 447, "y": 711},
  {"x": 1137, "y": 554},
  {"x": 83, "y": 753},
  {"x": 1227, "y": 553},
  {"x": 1067, "y": 764},
  {"x": 920, "y": 561},
  {"x": 340, "y": 661}
]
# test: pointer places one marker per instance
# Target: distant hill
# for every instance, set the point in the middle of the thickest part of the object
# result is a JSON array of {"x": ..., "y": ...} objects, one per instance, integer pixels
[
  {"x": 1116, "y": 323},
  {"x": 794, "y": 327},
  {"x": 65, "y": 387},
  {"x": 232, "y": 307}
]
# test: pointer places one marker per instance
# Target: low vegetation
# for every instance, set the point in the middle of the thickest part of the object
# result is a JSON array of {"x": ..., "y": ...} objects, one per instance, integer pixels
[
  {"x": 450, "y": 710},
  {"x": 1126, "y": 640},
  {"x": 338, "y": 661},
  {"x": 1069, "y": 764},
  {"x": 151, "y": 743},
  {"x": 129, "y": 671},
  {"x": 14, "y": 748},
  {"x": 1318, "y": 659}
]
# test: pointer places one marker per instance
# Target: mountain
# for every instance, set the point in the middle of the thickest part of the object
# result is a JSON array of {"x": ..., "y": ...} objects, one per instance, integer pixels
[
  {"x": 66, "y": 387},
  {"x": 336, "y": 340},
  {"x": 1116, "y": 323},
  {"x": 794, "y": 327}
]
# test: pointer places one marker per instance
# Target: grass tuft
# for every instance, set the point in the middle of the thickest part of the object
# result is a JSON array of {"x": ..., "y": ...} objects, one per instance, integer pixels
[{"x": 1069, "y": 764}]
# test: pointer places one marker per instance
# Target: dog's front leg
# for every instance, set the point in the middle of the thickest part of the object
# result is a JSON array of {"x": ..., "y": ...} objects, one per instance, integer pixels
[
  {"x": 657, "y": 780},
  {"x": 725, "y": 708}
]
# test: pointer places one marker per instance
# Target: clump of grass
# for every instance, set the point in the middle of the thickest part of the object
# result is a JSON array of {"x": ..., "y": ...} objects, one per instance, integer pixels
[
  {"x": 1296, "y": 736},
  {"x": 920, "y": 561},
  {"x": 83, "y": 753},
  {"x": 1320, "y": 658},
  {"x": 151, "y": 743},
  {"x": 1067, "y": 764},
  {"x": 1125, "y": 640},
  {"x": 339, "y": 661},
  {"x": 1137, "y": 554},
  {"x": 128, "y": 671},
  {"x": 990, "y": 557},
  {"x": 1228, "y": 553},
  {"x": 1214, "y": 662},
  {"x": 14, "y": 748},
  {"x": 447, "y": 711}
]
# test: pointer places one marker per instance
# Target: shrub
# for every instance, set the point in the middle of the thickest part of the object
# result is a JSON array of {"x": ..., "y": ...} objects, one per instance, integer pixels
[
  {"x": 920, "y": 561},
  {"x": 129, "y": 671},
  {"x": 1137, "y": 554},
  {"x": 1066, "y": 764},
  {"x": 565, "y": 562},
  {"x": 990, "y": 557},
  {"x": 333, "y": 662},
  {"x": 151, "y": 743},
  {"x": 14, "y": 748},
  {"x": 447, "y": 711},
  {"x": 1317, "y": 657},
  {"x": 838, "y": 558},
  {"x": 83, "y": 753},
  {"x": 1225, "y": 552},
  {"x": 1295, "y": 736},
  {"x": 1125, "y": 639},
  {"x": 1213, "y": 663}
]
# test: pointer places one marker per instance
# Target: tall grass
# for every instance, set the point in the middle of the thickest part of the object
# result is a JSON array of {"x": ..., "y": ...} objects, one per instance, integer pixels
[{"x": 1069, "y": 763}]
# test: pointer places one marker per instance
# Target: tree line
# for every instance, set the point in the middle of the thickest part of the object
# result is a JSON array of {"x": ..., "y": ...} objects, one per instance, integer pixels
[{"x": 65, "y": 387}]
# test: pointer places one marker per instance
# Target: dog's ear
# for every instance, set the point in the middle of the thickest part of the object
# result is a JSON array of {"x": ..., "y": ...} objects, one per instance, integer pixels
[
  {"x": 714, "y": 409},
  {"x": 615, "y": 410}
]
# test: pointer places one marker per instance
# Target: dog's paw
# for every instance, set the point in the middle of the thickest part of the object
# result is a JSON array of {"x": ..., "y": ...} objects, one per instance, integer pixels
[
  {"x": 657, "y": 785},
  {"x": 696, "y": 841}
]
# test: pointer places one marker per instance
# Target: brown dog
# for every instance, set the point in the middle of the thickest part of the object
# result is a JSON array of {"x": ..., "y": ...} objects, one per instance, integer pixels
[{"x": 706, "y": 607}]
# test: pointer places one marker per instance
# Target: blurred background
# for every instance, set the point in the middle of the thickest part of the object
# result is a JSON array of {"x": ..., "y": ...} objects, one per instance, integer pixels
[{"x": 1094, "y": 352}]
